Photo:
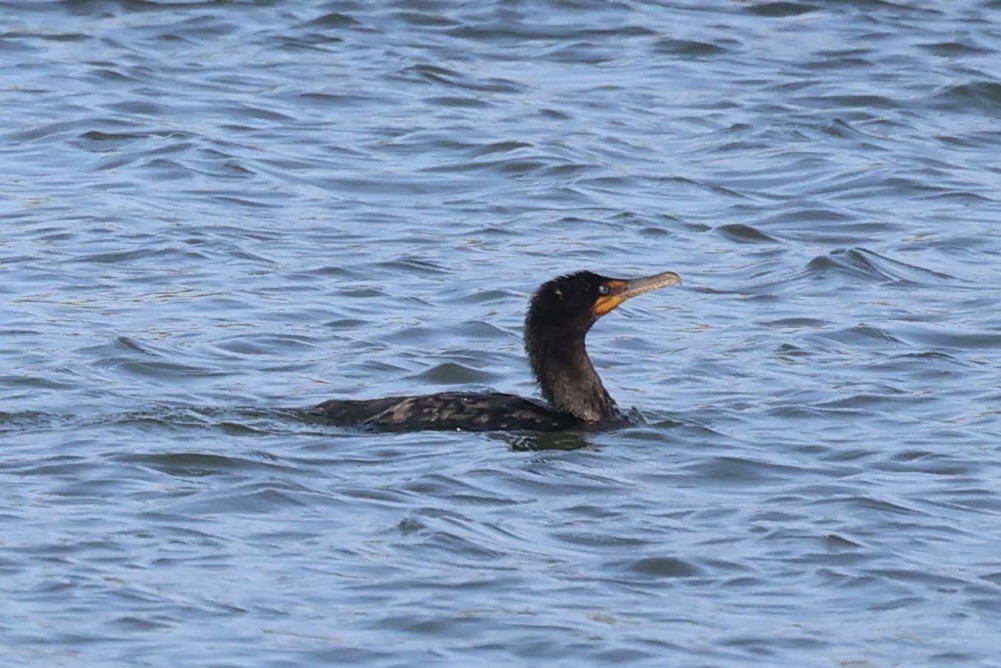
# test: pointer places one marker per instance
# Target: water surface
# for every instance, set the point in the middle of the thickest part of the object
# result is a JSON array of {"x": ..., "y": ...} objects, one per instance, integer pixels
[{"x": 217, "y": 213}]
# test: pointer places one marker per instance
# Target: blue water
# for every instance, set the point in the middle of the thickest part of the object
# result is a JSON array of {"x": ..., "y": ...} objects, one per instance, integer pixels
[{"x": 214, "y": 214}]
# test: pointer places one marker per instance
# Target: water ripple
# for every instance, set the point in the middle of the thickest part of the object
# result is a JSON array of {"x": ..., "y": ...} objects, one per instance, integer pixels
[{"x": 217, "y": 214}]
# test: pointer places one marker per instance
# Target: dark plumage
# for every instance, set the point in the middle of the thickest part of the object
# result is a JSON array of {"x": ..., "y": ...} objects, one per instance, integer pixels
[{"x": 559, "y": 316}]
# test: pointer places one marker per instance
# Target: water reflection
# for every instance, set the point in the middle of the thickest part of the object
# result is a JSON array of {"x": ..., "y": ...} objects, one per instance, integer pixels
[{"x": 536, "y": 441}]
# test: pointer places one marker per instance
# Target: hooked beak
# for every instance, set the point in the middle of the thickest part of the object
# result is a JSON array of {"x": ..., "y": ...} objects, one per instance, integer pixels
[{"x": 623, "y": 290}]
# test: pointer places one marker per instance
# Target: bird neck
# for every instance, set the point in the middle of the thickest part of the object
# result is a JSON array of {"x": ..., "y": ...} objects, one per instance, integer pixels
[{"x": 567, "y": 378}]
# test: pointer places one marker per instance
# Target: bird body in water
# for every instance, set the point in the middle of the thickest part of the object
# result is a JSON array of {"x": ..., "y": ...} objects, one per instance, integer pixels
[{"x": 560, "y": 315}]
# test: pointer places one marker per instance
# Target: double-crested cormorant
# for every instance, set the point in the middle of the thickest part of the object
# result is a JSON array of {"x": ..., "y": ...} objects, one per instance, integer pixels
[{"x": 559, "y": 316}]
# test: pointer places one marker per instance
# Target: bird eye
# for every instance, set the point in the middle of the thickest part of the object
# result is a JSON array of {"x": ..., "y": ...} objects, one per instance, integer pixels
[{"x": 603, "y": 289}]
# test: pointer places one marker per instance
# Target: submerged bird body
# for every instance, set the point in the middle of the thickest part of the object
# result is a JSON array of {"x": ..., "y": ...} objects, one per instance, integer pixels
[
  {"x": 560, "y": 314},
  {"x": 451, "y": 411}
]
